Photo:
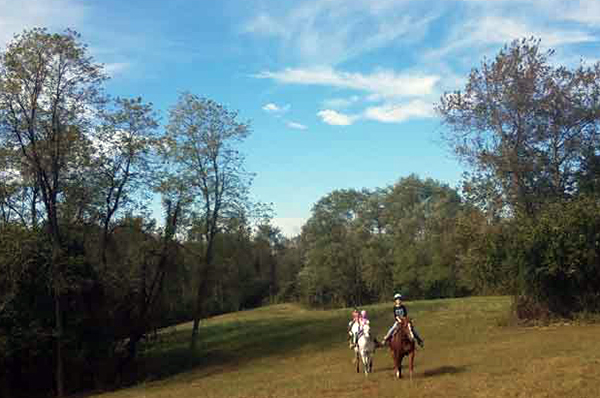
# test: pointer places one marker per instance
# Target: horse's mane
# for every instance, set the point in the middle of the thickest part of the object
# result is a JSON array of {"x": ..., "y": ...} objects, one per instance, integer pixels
[
  {"x": 366, "y": 329},
  {"x": 403, "y": 329}
]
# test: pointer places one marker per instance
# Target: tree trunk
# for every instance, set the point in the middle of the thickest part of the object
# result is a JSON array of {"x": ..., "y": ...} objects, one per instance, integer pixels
[
  {"x": 132, "y": 346},
  {"x": 34, "y": 220},
  {"x": 202, "y": 284},
  {"x": 5, "y": 383},
  {"x": 60, "y": 388},
  {"x": 58, "y": 319},
  {"x": 198, "y": 311},
  {"x": 195, "y": 332}
]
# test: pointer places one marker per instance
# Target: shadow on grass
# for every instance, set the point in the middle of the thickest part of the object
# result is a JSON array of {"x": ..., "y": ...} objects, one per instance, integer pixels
[
  {"x": 227, "y": 346},
  {"x": 439, "y": 371},
  {"x": 444, "y": 370}
]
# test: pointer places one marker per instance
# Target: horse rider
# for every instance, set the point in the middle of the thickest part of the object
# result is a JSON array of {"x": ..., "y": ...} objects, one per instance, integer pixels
[
  {"x": 355, "y": 320},
  {"x": 363, "y": 321},
  {"x": 400, "y": 312}
]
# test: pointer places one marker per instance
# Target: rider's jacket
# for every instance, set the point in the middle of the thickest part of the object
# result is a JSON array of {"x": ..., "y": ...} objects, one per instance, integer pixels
[{"x": 400, "y": 311}]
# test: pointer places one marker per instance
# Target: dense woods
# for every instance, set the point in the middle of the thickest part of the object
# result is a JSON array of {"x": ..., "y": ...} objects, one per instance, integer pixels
[{"x": 87, "y": 273}]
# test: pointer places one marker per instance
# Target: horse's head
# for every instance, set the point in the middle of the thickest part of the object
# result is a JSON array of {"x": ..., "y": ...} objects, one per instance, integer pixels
[
  {"x": 405, "y": 328},
  {"x": 404, "y": 321}
]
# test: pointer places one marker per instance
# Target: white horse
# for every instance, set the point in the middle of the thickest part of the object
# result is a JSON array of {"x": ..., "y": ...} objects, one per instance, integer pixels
[{"x": 365, "y": 349}]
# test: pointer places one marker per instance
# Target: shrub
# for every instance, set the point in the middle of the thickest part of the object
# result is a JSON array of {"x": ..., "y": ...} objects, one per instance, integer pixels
[{"x": 558, "y": 255}]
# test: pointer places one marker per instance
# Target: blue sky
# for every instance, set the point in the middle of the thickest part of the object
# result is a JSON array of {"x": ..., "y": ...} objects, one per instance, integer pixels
[{"x": 339, "y": 93}]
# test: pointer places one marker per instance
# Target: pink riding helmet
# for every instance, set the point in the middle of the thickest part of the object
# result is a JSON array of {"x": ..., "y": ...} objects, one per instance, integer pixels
[{"x": 363, "y": 314}]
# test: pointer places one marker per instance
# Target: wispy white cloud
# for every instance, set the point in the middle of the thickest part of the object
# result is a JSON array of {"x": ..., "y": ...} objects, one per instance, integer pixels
[
  {"x": 335, "y": 118},
  {"x": 56, "y": 16},
  {"x": 386, "y": 86},
  {"x": 325, "y": 33},
  {"x": 333, "y": 31},
  {"x": 275, "y": 109},
  {"x": 27, "y": 14},
  {"x": 270, "y": 107},
  {"x": 340, "y": 103},
  {"x": 296, "y": 125},
  {"x": 485, "y": 31},
  {"x": 379, "y": 84},
  {"x": 116, "y": 68},
  {"x": 498, "y": 30},
  {"x": 583, "y": 12},
  {"x": 558, "y": 23},
  {"x": 398, "y": 113},
  {"x": 264, "y": 24},
  {"x": 385, "y": 113}
]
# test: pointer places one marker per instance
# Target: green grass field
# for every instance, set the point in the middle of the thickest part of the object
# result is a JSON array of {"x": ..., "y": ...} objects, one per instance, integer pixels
[{"x": 285, "y": 351}]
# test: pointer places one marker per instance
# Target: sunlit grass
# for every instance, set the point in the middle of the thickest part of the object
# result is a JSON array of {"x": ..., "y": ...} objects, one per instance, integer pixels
[{"x": 287, "y": 351}]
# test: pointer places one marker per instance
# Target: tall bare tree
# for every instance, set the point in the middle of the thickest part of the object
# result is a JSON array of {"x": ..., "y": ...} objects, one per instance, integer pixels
[
  {"x": 201, "y": 146},
  {"x": 122, "y": 166},
  {"x": 522, "y": 124}
]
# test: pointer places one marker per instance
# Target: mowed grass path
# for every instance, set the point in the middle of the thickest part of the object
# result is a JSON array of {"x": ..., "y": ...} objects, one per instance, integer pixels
[{"x": 285, "y": 351}]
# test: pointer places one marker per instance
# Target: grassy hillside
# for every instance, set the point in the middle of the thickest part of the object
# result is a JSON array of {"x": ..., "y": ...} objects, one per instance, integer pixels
[{"x": 285, "y": 351}]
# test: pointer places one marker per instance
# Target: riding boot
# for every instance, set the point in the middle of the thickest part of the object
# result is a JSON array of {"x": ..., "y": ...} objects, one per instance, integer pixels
[
  {"x": 354, "y": 341},
  {"x": 385, "y": 341},
  {"x": 416, "y": 336},
  {"x": 419, "y": 339}
]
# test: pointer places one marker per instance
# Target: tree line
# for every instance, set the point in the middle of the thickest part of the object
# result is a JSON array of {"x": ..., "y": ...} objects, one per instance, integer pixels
[
  {"x": 87, "y": 274},
  {"x": 85, "y": 271},
  {"x": 525, "y": 221}
]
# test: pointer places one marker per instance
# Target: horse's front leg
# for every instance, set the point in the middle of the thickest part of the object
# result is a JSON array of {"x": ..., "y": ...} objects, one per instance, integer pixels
[
  {"x": 411, "y": 362},
  {"x": 366, "y": 362},
  {"x": 399, "y": 366}
]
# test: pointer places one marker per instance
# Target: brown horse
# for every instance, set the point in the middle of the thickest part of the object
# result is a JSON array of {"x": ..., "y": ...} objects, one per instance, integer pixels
[{"x": 402, "y": 344}]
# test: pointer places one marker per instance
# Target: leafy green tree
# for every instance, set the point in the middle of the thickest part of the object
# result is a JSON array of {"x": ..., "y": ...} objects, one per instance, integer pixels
[
  {"x": 378, "y": 266},
  {"x": 332, "y": 237},
  {"x": 26, "y": 320},
  {"x": 268, "y": 246},
  {"x": 48, "y": 84},
  {"x": 483, "y": 263},
  {"x": 419, "y": 222},
  {"x": 528, "y": 129},
  {"x": 289, "y": 263},
  {"x": 359, "y": 246},
  {"x": 558, "y": 259},
  {"x": 588, "y": 175}
]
